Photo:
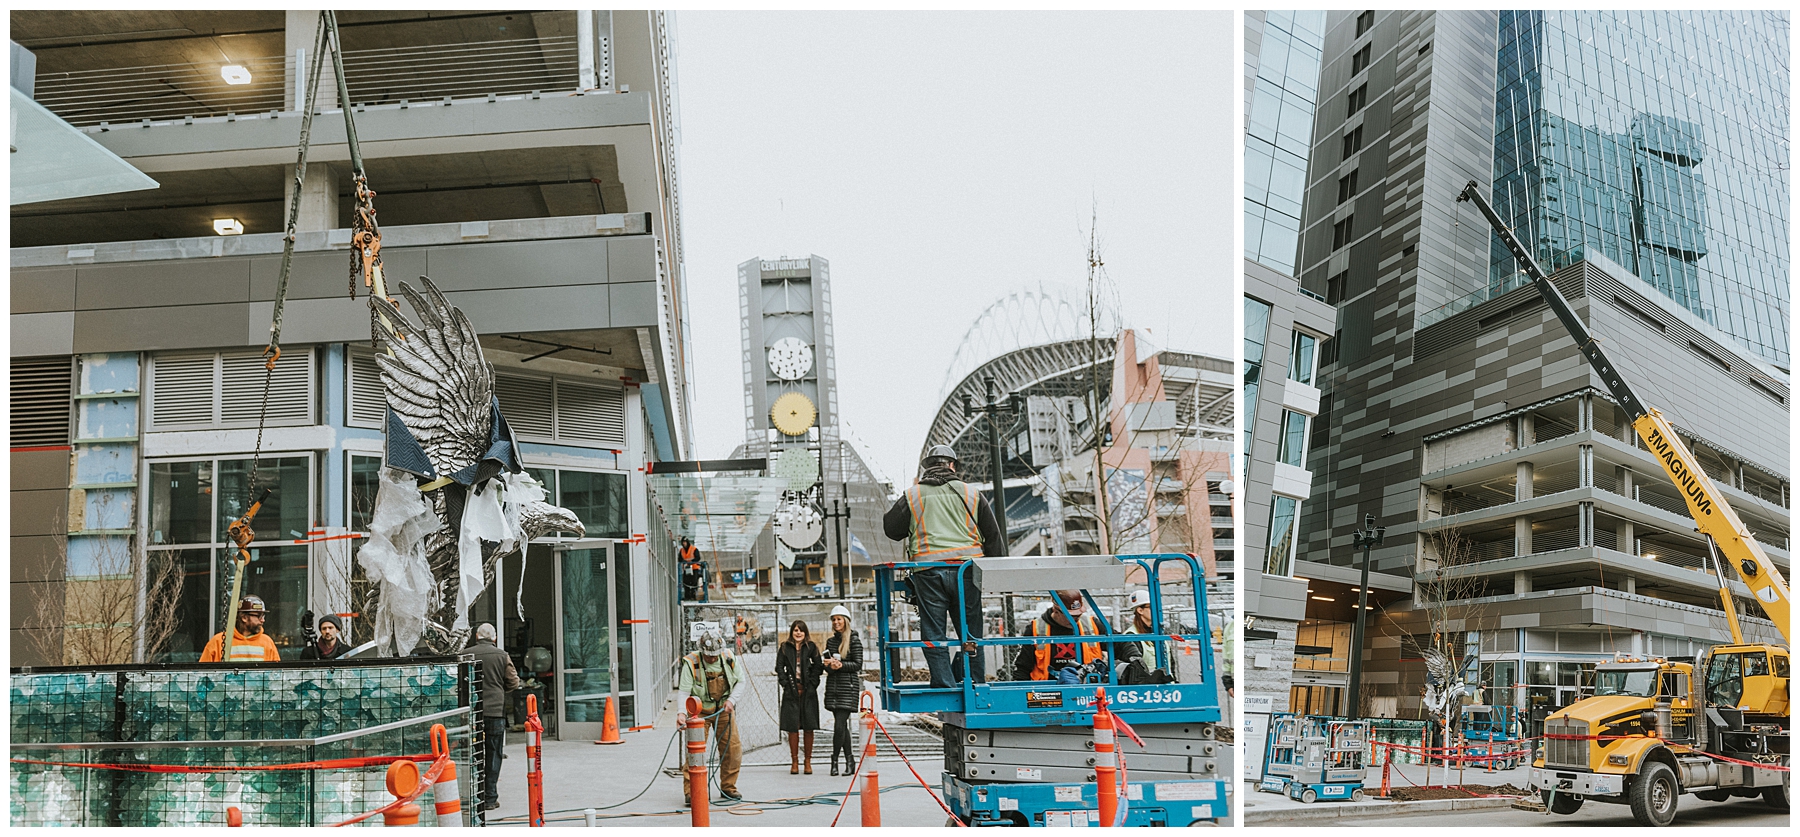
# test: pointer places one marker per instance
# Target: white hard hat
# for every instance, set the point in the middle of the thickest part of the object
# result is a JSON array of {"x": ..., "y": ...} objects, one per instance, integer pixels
[
  {"x": 1139, "y": 598},
  {"x": 711, "y": 642},
  {"x": 840, "y": 610}
]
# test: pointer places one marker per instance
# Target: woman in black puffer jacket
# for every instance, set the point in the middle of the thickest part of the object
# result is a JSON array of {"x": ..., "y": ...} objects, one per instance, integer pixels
[{"x": 843, "y": 684}]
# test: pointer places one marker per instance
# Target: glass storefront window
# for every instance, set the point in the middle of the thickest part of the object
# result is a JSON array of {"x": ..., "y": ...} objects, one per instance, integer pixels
[
  {"x": 622, "y": 594},
  {"x": 276, "y": 574},
  {"x": 193, "y": 615},
  {"x": 180, "y": 502},
  {"x": 598, "y": 500},
  {"x": 587, "y": 631},
  {"x": 365, "y": 480},
  {"x": 286, "y": 515},
  {"x": 191, "y": 504}
]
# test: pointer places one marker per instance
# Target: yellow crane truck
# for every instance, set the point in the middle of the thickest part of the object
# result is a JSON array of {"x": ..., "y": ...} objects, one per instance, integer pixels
[{"x": 1715, "y": 726}]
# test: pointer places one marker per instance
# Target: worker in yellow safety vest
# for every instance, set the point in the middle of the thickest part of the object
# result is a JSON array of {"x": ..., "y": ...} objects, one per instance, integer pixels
[
  {"x": 942, "y": 518},
  {"x": 249, "y": 644}
]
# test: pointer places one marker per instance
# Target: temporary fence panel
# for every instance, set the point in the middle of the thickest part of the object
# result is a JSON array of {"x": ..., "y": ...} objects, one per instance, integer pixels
[
  {"x": 187, "y": 716},
  {"x": 766, "y": 625},
  {"x": 1406, "y": 733}
]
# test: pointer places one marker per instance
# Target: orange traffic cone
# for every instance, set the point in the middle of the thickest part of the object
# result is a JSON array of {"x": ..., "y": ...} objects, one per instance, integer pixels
[{"x": 609, "y": 733}]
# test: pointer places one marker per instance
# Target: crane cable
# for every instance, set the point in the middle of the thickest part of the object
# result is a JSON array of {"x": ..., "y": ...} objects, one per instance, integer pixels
[{"x": 325, "y": 37}]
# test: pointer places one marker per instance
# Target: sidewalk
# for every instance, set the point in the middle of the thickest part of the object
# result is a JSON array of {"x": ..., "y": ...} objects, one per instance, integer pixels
[
  {"x": 581, "y": 774},
  {"x": 1269, "y": 808}
]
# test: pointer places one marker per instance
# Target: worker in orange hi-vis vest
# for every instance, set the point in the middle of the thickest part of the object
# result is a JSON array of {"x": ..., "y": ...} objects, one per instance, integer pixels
[{"x": 249, "y": 644}]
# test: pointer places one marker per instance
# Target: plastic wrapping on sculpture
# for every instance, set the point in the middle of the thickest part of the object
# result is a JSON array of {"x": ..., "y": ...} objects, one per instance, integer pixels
[
  {"x": 394, "y": 560},
  {"x": 445, "y": 425}
]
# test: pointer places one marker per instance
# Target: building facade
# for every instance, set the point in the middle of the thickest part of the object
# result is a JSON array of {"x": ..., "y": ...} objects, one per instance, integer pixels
[
  {"x": 541, "y": 196},
  {"x": 1284, "y": 325},
  {"x": 1523, "y": 523}
]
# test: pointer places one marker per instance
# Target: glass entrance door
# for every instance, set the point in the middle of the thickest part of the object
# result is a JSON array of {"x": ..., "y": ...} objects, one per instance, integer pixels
[{"x": 587, "y": 618}]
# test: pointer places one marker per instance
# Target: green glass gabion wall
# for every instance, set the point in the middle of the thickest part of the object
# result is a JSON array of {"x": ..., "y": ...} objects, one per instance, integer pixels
[{"x": 126, "y": 706}]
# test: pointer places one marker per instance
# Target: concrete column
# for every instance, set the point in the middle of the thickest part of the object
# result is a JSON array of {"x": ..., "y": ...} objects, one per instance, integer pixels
[
  {"x": 1631, "y": 584},
  {"x": 1527, "y": 430},
  {"x": 1521, "y": 583},
  {"x": 1627, "y": 534},
  {"x": 1522, "y": 487},
  {"x": 1521, "y": 536},
  {"x": 302, "y": 28},
  {"x": 318, "y": 197}
]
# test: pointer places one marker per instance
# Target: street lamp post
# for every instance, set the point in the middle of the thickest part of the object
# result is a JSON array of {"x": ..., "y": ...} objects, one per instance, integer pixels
[
  {"x": 1366, "y": 538},
  {"x": 995, "y": 408}
]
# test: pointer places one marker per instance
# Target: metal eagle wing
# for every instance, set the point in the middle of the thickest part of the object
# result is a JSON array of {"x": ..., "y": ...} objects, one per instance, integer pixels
[{"x": 436, "y": 378}]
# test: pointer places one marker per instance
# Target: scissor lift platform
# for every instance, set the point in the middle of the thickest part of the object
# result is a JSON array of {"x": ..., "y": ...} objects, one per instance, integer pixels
[{"x": 1035, "y": 783}]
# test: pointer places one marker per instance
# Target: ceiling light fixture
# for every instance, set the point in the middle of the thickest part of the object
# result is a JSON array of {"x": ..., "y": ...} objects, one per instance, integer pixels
[
  {"x": 228, "y": 226},
  {"x": 1323, "y": 599},
  {"x": 235, "y": 74}
]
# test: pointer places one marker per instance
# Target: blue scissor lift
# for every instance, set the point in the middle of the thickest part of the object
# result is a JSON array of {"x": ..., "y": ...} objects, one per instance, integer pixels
[{"x": 1021, "y": 753}]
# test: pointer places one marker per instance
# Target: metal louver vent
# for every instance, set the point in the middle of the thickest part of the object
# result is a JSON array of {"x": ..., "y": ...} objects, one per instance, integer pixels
[
  {"x": 40, "y": 401},
  {"x": 590, "y": 414},
  {"x": 526, "y": 403},
  {"x": 368, "y": 399},
  {"x": 290, "y": 389},
  {"x": 182, "y": 390}
]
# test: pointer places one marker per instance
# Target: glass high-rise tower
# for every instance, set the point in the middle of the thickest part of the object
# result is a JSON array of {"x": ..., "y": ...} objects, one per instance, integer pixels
[{"x": 1657, "y": 139}]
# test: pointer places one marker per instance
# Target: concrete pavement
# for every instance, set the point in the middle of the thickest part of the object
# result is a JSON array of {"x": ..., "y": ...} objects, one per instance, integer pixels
[{"x": 628, "y": 777}]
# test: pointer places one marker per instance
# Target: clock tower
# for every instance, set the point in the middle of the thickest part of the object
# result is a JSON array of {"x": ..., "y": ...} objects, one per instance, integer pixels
[{"x": 790, "y": 368}]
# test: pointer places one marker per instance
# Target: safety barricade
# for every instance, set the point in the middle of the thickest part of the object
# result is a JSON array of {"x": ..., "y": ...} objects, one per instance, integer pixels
[
  {"x": 285, "y": 743},
  {"x": 534, "y": 764},
  {"x": 695, "y": 734}
]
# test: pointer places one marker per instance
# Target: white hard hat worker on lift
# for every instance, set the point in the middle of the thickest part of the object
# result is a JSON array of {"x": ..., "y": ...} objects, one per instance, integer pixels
[{"x": 944, "y": 519}]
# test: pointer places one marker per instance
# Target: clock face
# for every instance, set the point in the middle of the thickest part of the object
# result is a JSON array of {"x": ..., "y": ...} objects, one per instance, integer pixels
[
  {"x": 790, "y": 358},
  {"x": 799, "y": 525},
  {"x": 793, "y": 414}
]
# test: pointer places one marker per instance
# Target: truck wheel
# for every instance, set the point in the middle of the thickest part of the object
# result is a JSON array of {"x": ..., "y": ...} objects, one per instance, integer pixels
[
  {"x": 1777, "y": 796},
  {"x": 1309, "y": 796},
  {"x": 1653, "y": 795},
  {"x": 1562, "y": 803}
]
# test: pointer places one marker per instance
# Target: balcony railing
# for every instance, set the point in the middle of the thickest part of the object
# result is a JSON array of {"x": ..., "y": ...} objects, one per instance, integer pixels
[{"x": 375, "y": 76}]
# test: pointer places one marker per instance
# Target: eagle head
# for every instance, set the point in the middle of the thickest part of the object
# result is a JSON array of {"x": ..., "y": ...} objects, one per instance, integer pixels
[{"x": 539, "y": 519}]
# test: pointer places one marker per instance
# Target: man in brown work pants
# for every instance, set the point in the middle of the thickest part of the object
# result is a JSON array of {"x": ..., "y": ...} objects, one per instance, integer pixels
[{"x": 712, "y": 675}]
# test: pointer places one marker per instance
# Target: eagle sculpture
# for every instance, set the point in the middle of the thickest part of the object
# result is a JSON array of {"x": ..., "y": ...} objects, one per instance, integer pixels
[
  {"x": 1444, "y": 685},
  {"x": 453, "y": 497}
]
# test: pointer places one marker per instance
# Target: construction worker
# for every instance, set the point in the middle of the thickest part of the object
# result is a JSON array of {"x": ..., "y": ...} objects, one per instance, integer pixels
[
  {"x": 248, "y": 642},
  {"x": 942, "y": 518},
  {"x": 1067, "y": 662},
  {"x": 712, "y": 675},
  {"x": 693, "y": 572}
]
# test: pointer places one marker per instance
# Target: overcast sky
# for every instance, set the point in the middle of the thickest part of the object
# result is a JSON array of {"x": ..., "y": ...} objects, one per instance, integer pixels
[{"x": 940, "y": 161}]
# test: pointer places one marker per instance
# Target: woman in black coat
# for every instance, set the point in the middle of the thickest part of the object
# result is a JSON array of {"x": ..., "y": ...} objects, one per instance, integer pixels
[
  {"x": 843, "y": 684},
  {"x": 798, "y": 668}
]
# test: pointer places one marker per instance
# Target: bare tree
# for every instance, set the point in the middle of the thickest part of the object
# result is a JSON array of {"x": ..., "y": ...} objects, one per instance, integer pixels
[
  {"x": 98, "y": 612},
  {"x": 1444, "y": 592}
]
